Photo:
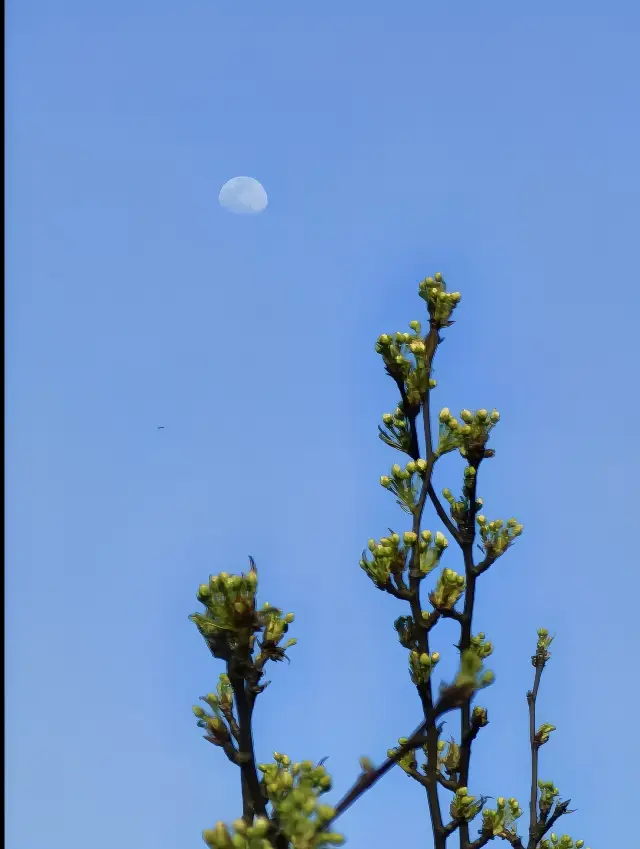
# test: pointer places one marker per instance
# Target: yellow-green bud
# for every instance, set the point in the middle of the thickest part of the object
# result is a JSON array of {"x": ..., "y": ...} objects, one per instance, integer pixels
[
  {"x": 421, "y": 464},
  {"x": 410, "y": 467},
  {"x": 466, "y": 416},
  {"x": 425, "y": 660},
  {"x": 415, "y": 325},
  {"x": 441, "y": 541},
  {"x": 452, "y": 424},
  {"x": 426, "y": 536},
  {"x": 445, "y": 415},
  {"x": 289, "y": 618},
  {"x": 199, "y": 712},
  {"x": 387, "y": 418},
  {"x": 409, "y": 538},
  {"x": 385, "y": 481},
  {"x": 366, "y": 764},
  {"x": 435, "y": 657},
  {"x": 396, "y": 470},
  {"x": 482, "y": 415},
  {"x": 495, "y": 416}
]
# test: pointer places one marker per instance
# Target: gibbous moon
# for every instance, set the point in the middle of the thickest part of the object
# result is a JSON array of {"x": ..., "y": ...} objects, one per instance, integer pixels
[{"x": 243, "y": 195}]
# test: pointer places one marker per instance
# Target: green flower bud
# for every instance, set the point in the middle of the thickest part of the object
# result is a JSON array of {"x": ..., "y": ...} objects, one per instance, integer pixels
[
  {"x": 421, "y": 464},
  {"x": 385, "y": 481},
  {"x": 435, "y": 657},
  {"x": 495, "y": 416},
  {"x": 409, "y": 538},
  {"x": 441, "y": 540},
  {"x": 425, "y": 660},
  {"x": 432, "y": 383},
  {"x": 445, "y": 415},
  {"x": 411, "y": 467},
  {"x": 289, "y": 618},
  {"x": 415, "y": 325},
  {"x": 482, "y": 415},
  {"x": 260, "y": 827},
  {"x": 426, "y": 536},
  {"x": 199, "y": 712},
  {"x": 396, "y": 471},
  {"x": 466, "y": 416},
  {"x": 452, "y": 424}
]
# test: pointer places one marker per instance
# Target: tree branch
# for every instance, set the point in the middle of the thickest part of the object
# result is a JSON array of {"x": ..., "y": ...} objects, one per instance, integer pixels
[
  {"x": 532, "y": 695},
  {"x": 446, "y": 521},
  {"x": 253, "y": 802},
  {"x": 450, "y": 698}
]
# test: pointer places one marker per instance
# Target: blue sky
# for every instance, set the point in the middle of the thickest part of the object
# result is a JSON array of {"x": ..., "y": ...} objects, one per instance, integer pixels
[{"x": 490, "y": 141}]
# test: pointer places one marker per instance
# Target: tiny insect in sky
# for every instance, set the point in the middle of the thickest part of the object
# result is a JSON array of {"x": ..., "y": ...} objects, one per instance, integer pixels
[{"x": 160, "y": 427}]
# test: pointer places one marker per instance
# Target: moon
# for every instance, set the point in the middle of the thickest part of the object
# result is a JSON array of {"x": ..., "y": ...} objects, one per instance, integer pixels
[{"x": 243, "y": 196}]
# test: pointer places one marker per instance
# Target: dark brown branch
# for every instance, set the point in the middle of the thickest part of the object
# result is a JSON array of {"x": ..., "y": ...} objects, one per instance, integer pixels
[
  {"x": 446, "y": 521},
  {"x": 488, "y": 561},
  {"x": 482, "y": 841},
  {"x": 425, "y": 690},
  {"x": 532, "y": 695},
  {"x": 466, "y": 739},
  {"x": 542, "y": 828},
  {"x": 253, "y": 801},
  {"x": 447, "y": 783},
  {"x": 450, "y": 698}
]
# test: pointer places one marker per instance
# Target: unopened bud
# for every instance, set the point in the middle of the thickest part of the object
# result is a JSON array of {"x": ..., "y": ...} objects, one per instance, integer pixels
[
  {"x": 466, "y": 416},
  {"x": 409, "y": 538},
  {"x": 289, "y": 618}
]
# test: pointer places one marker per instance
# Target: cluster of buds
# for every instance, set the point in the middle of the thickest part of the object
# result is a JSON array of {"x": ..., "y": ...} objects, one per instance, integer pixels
[
  {"x": 563, "y": 842},
  {"x": 405, "y": 358},
  {"x": 396, "y": 432},
  {"x": 479, "y": 717},
  {"x": 472, "y": 676},
  {"x": 389, "y": 557},
  {"x": 230, "y": 610},
  {"x": 448, "y": 756},
  {"x": 497, "y": 535},
  {"x": 221, "y": 704},
  {"x": 421, "y": 666},
  {"x": 440, "y": 303},
  {"x": 231, "y": 617},
  {"x": 463, "y": 806},
  {"x": 498, "y": 822},
  {"x": 542, "y": 654},
  {"x": 293, "y": 791},
  {"x": 482, "y": 647},
  {"x": 469, "y": 435},
  {"x": 543, "y": 733},
  {"x": 244, "y": 836},
  {"x": 407, "y": 762},
  {"x": 404, "y": 483},
  {"x": 214, "y": 725},
  {"x": 548, "y": 795},
  {"x": 275, "y": 626},
  {"x": 448, "y": 590}
]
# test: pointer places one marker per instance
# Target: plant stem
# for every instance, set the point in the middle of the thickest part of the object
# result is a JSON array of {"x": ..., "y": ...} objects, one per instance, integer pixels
[{"x": 532, "y": 695}]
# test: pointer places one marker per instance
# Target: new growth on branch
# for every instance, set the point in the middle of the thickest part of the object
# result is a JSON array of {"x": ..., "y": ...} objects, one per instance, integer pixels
[{"x": 281, "y": 800}]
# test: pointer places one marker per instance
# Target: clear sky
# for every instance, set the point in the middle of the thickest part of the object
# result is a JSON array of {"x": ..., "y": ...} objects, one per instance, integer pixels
[{"x": 491, "y": 141}]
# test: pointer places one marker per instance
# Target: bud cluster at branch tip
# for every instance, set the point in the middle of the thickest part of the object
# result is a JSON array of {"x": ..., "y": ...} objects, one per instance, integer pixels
[{"x": 469, "y": 436}]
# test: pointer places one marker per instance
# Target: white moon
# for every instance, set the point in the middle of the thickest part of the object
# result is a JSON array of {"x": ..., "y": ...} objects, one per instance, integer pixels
[{"x": 243, "y": 195}]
